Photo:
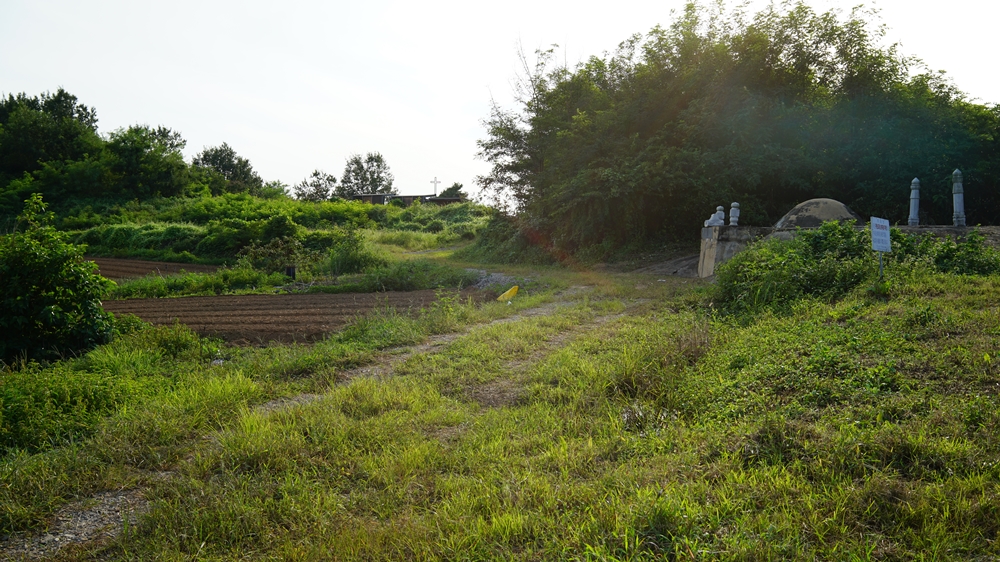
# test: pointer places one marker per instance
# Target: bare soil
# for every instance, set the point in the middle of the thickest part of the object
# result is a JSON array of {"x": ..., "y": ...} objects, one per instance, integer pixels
[
  {"x": 114, "y": 268},
  {"x": 260, "y": 319}
]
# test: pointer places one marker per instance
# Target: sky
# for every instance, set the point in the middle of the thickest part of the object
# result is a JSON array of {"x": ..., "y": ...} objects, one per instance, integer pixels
[{"x": 298, "y": 85}]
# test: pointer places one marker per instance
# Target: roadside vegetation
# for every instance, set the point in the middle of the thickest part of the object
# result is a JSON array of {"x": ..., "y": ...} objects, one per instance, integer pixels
[{"x": 832, "y": 261}]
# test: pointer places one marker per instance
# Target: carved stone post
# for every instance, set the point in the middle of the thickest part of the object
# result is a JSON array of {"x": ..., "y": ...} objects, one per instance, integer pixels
[
  {"x": 734, "y": 214},
  {"x": 914, "y": 202},
  {"x": 958, "y": 197},
  {"x": 718, "y": 218}
]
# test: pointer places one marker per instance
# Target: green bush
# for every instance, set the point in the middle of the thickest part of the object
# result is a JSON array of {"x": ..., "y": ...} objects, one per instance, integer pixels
[
  {"x": 155, "y": 240},
  {"x": 417, "y": 275},
  {"x": 227, "y": 237},
  {"x": 51, "y": 296},
  {"x": 967, "y": 257},
  {"x": 435, "y": 225},
  {"x": 279, "y": 254}
]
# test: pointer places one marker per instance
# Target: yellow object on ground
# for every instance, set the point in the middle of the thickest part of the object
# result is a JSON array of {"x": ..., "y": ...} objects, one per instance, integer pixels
[{"x": 509, "y": 294}]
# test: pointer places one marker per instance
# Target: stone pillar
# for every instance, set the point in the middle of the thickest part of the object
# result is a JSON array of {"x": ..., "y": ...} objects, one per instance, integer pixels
[
  {"x": 914, "y": 202},
  {"x": 734, "y": 215},
  {"x": 958, "y": 198}
]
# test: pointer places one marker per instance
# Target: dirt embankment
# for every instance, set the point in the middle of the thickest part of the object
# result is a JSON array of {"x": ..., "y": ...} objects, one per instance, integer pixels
[{"x": 114, "y": 268}]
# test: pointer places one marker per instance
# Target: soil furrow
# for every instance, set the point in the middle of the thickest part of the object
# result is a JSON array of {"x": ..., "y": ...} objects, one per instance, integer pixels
[{"x": 261, "y": 319}]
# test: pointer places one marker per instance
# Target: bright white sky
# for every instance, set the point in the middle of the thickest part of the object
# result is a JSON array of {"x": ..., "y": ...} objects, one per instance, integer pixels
[{"x": 299, "y": 85}]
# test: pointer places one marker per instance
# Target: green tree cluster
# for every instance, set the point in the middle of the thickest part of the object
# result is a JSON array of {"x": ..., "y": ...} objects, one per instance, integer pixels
[
  {"x": 49, "y": 144},
  {"x": 768, "y": 109}
]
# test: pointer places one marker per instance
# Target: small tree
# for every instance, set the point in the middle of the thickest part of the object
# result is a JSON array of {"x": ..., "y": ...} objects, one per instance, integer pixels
[
  {"x": 365, "y": 175},
  {"x": 316, "y": 187},
  {"x": 237, "y": 171},
  {"x": 51, "y": 295}
]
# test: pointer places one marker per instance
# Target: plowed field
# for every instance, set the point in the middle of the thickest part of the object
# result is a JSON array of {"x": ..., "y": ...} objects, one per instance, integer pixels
[
  {"x": 258, "y": 319},
  {"x": 114, "y": 268}
]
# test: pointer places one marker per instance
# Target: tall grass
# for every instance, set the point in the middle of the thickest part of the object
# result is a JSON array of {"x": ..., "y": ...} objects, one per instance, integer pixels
[
  {"x": 648, "y": 437},
  {"x": 223, "y": 281}
]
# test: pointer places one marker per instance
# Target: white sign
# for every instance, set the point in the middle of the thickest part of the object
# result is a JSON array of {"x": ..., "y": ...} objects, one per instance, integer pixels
[{"x": 880, "y": 235}]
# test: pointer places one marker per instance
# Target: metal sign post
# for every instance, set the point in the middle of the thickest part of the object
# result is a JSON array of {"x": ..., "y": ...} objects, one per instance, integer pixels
[{"x": 881, "y": 242}]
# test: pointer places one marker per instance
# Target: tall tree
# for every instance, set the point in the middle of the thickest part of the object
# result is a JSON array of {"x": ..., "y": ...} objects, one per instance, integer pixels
[
  {"x": 45, "y": 128},
  {"x": 317, "y": 187},
  {"x": 147, "y": 162},
  {"x": 239, "y": 175},
  {"x": 365, "y": 175}
]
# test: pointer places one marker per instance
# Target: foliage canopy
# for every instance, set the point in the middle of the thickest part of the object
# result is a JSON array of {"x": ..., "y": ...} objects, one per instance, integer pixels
[
  {"x": 365, "y": 175},
  {"x": 768, "y": 110}
]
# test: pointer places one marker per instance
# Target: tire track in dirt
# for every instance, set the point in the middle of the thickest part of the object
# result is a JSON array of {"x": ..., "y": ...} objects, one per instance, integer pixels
[{"x": 384, "y": 365}]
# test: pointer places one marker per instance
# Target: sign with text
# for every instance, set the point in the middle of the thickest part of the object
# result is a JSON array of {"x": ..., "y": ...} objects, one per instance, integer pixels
[{"x": 880, "y": 235}]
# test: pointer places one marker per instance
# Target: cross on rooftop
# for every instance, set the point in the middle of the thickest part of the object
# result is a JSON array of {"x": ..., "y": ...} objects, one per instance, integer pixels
[{"x": 435, "y": 182}]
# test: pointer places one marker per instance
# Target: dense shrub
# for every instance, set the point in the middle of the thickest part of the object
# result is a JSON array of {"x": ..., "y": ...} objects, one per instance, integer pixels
[
  {"x": 51, "y": 296},
  {"x": 969, "y": 257},
  {"x": 217, "y": 229},
  {"x": 279, "y": 254},
  {"x": 416, "y": 275},
  {"x": 832, "y": 260},
  {"x": 154, "y": 237},
  {"x": 228, "y": 237}
]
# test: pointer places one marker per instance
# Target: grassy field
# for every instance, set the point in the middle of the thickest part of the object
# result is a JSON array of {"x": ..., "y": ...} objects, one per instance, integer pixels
[{"x": 596, "y": 417}]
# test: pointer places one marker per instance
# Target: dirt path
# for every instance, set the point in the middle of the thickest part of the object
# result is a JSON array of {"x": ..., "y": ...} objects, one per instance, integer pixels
[{"x": 384, "y": 364}]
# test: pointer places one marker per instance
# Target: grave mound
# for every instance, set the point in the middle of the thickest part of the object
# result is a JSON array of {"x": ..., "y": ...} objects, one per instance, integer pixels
[{"x": 814, "y": 212}]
